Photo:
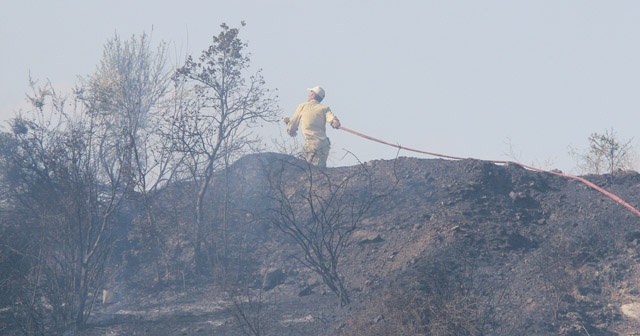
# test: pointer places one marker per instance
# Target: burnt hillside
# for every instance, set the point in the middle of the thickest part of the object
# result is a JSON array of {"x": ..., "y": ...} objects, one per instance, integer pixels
[{"x": 444, "y": 248}]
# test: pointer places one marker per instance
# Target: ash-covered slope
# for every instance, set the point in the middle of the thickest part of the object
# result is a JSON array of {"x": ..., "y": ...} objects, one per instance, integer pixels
[
  {"x": 446, "y": 248},
  {"x": 482, "y": 249},
  {"x": 470, "y": 247}
]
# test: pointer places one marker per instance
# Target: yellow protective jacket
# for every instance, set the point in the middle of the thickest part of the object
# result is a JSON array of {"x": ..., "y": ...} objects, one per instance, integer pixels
[{"x": 312, "y": 117}]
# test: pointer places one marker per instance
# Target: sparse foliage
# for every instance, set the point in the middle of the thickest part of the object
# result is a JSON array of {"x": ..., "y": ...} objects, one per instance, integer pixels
[
  {"x": 71, "y": 164},
  {"x": 606, "y": 154},
  {"x": 219, "y": 105},
  {"x": 128, "y": 94},
  {"x": 69, "y": 192}
]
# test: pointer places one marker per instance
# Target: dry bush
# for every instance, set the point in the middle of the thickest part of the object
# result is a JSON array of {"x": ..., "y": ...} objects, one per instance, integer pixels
[
  {"x": 396, "y": 312},
  {"x": 320, "y": 210}
]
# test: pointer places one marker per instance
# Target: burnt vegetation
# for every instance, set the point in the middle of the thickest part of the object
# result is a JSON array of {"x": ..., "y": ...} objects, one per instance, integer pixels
[
  {"x": 419, "y": 247},
  {"x": 144, "y": 204}
]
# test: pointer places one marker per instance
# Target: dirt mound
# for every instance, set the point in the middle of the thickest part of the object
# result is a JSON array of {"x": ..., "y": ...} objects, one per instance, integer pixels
[{"x": 446, "y": 248}]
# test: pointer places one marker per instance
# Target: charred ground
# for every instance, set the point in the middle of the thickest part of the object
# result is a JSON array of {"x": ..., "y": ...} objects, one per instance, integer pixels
[{"x": 448, "y": 248}]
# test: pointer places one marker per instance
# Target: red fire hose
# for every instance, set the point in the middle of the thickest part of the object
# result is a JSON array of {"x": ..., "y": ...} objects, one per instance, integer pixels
[{"x": 583, "y": 180}]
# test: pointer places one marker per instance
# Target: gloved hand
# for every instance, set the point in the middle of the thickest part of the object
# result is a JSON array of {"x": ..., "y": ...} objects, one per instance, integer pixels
[
  {"x": 335, "y": 123},
  {"x": 286, "y": 120}
]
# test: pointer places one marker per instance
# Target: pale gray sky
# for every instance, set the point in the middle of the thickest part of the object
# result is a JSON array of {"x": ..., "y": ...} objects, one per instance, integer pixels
[{"x": 466, "y": 78}]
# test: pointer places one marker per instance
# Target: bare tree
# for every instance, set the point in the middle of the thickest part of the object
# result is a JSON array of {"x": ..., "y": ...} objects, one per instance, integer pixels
[
  {"x": 129, "y": 93},
  {"x": 70, "y": 193},
  {"x": 17, "y": 244},
  {"x": 606, "y": 154},
  {"x": 320, "y": 211},
  {"x": 75, "y": 161},
  {"x": 212, "y": 126}
]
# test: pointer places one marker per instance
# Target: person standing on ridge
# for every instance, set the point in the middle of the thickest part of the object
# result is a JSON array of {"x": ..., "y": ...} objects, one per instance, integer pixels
[{"x": 312, "y": 117}]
